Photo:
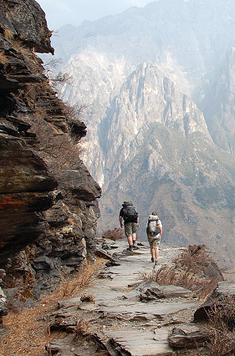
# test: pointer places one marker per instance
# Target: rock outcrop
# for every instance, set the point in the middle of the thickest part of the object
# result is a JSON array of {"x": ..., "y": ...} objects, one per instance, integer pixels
[{"x": 48, "y": 200}]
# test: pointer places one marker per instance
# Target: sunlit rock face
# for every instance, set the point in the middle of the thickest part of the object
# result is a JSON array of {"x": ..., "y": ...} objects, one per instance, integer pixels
[{"x": 48, "y": 199}]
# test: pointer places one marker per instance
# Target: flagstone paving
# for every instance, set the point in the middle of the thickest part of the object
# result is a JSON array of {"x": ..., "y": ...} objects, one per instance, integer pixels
[{"x": 118, "y": 311}]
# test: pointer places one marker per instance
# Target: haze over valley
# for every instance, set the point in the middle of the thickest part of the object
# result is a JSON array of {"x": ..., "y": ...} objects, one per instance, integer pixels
[{"x": 157, "y": 89}]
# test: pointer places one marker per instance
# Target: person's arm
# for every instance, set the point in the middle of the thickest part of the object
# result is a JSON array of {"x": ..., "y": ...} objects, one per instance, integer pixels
[
  {"x": 160, "y": 228},
  {"x": 120, "y": 220},
  {"x": 147, "y": 227},
  {"x": 138, "y": 221}
]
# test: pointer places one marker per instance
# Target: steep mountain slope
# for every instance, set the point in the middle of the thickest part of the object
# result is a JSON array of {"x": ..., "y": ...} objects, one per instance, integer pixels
[
  {"x": 167, "y": 161},
  {"x": 147, "y": 97},
  {"x": 218, "y": 106},
  {"x": 189, "y": 37},
  {"x": 145, "y": 78}
]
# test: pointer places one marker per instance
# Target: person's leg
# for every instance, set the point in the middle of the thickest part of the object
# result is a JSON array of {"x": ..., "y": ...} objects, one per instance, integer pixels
[
  {"x": 134, "y": 238},
  {"x": 157, "y": 248},
  {"x": 134, "y": 242},
  {"x": 157, "y": 244},
  {"x": 151, "y": 245},
  {"x": 156, "y": 252},
  {"x": 152, "y": 253},
  {"x": 128, "y": 232},
  {"x": 129, "y": 238},
  {"x": 134, "y": 229}
]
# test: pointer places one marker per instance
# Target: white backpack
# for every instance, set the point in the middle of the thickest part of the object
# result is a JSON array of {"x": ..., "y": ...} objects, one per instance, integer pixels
[{"x": 153, "y": 226}]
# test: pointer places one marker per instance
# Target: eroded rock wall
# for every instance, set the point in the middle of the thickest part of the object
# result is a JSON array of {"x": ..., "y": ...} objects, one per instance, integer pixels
[{"x": 48, "y": 200}]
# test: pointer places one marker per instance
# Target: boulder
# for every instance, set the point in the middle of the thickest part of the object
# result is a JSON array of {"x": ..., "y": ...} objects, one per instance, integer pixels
[
  {"x": 188, "y": 336},
  {"x": 218, "y": 298},
  {"x": 43, "y": 263},
  {"x": 150, "y": 290}
]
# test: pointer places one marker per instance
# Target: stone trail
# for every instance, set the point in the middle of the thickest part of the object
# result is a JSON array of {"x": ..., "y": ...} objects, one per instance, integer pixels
[{"x": 126, "y": 314}]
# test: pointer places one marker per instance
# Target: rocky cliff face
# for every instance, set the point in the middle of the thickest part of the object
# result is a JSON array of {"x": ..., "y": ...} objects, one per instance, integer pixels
[
  {"x": 48, "y": 199},
  {"x": 152, "y": 99},
  {"x": 102, "y": 55},
  {"x": 218, "y": 105}
]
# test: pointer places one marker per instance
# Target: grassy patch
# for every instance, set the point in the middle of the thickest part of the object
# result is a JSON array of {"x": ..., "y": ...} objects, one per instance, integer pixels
[{"x": 29, "y": 330}]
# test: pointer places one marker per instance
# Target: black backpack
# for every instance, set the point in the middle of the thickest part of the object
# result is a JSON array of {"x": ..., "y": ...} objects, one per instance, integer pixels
[{"x": 129, "y": 214}]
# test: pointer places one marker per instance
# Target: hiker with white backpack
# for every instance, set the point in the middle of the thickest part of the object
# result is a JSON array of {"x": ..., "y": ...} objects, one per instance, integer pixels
[{"x": 154, "y": 233}]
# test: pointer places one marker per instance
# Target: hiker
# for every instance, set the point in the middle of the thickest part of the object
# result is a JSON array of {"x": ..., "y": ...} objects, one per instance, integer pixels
[
  {"x": 154, "y": 233},
  {"x": 130, "y": 216}
]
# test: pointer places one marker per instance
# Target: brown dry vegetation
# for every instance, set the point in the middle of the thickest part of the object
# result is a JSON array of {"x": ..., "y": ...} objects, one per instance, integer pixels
[
  {"x": 27, "y": 54},
  {"x": 57, "y": 150},
  {"x": 115, "y": 234},
  {"x": 29, "y": 330},
  {"x": 8, "y": 34},
  {"x": 189, "y": 271},
  {"x": 3, "y": 58},
  {"x": 222, "y": 325},
  {"x": 53, "y": 122}
]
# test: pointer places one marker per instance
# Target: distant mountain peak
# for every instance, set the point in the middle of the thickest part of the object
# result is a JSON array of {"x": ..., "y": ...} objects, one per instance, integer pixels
[{"x": 158, "y": 86}]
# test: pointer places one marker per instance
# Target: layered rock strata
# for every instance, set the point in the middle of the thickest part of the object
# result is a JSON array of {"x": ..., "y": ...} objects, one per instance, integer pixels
[{"x": 48, "y": 200}]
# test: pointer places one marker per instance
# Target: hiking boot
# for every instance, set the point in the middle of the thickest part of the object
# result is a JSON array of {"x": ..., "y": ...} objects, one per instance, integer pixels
[
  {"x": 130, "y": 248},
  {"x": 135, "y": 247},
  {"x": 156, "y": 262},
  {"x": 152, "y": 259}
]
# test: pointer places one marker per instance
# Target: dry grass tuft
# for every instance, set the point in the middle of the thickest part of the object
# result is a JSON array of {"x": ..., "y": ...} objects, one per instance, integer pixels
[
  {"x": 189, "y": 271},
  {"x": 29, "y": 330},
  {"x": 87, "y": 298},
  {"x": 83, "y": 280},
  {"x": 57, "y": 150},
  {"x": 3, "y": 58},
  {"x": 28, "y": 55},
  {"x": 222, "y": 325},
  {"x": 82, "y": 328},
  {"x": 115, "y": 234},
  {"x": 8, "y": 34}
]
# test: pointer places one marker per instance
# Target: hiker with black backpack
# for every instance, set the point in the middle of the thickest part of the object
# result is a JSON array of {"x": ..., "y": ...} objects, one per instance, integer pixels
[
  {"x": 154, "y": 233},
  {"x": 129, "y": 215}
]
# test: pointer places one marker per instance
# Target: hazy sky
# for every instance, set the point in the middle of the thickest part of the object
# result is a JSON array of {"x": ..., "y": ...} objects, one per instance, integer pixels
[{"x": 63, "y": 12}]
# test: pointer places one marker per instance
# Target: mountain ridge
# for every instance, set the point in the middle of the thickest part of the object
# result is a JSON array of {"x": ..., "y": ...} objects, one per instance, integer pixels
[{"x": 157, "y": 70}]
